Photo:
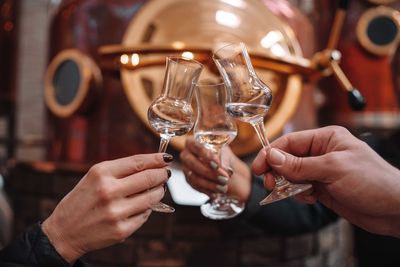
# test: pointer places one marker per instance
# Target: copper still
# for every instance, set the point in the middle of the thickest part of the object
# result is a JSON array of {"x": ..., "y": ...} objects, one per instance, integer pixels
[
  {"x": 369, "y": 43},
  {"x": 98, "y": 112},
  {"x": 108, "y": 63}
]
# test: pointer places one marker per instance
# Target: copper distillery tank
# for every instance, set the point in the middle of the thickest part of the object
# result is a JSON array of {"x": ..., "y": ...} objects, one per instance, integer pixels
[
  {"x": 101, "y": 113},
  {"x": 369, "y": 44}
]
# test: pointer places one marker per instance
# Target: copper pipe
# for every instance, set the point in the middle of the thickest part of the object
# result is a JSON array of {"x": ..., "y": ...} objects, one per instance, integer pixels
[{"x": 298, "y": 65}]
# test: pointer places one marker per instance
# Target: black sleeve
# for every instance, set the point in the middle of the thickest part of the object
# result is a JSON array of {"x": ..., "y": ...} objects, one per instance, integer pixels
[
  {"x": 286, "y": 217},
  {"x": 33, "y": 248}
]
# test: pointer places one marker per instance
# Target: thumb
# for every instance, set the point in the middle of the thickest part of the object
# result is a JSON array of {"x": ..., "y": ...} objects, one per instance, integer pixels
[{"x": 296, "y": 169}]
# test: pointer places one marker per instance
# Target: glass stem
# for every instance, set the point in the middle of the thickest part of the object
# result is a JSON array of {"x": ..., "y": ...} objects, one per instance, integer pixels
[
  {"x": 258, "y": 125},
  {"x": 260, "y": 130},
  {"x": 164, "y": 142}
]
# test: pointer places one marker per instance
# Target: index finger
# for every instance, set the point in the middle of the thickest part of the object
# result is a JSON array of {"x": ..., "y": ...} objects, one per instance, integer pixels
[
  {"x": 313, "y": 142},
  {"x": 129, "y": 165}
]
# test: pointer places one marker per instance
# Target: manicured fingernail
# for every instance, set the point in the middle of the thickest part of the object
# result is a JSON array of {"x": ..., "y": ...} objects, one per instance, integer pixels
[
  {"x": 277, "y": 158},
  {"x": 168, "y": 158},
  {"x": 222, "y": 188},
  {"x": 222, "y": 179},
  {"x": 169, "y": 173},
  {"x": 214, "y": 165}
]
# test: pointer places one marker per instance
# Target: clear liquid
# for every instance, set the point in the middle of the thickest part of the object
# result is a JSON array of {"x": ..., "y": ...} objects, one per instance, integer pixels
[
  {"x": 171, "y": 117},
  {"x": 215, "y": 139},
  {"x": 247, "y": 112}
]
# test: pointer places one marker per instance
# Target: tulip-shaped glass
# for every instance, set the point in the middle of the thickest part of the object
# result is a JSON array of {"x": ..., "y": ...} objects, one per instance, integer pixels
[
  {"x": 249, "y": 100},
  {"x": 171, "y": 113},
  {"x": 214, "y": 129}
]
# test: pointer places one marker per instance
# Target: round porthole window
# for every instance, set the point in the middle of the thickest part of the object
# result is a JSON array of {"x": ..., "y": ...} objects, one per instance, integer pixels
[
  {"x": 378, "y": 30},
  {"x": 69, "y": 79}
]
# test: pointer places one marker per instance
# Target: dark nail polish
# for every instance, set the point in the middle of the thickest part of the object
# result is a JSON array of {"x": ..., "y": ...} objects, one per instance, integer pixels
[
  {"x": 168, "y": 158},
  {"x": 165, "y": 188},
  {"x": 169, "y": 173}
]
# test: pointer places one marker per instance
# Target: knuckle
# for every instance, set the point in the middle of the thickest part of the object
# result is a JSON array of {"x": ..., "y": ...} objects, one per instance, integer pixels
[
  {"x": 339, "y": 130},
  {"x": 150, "y": 178},
  {"x": 296, "y": 164},
  {"x": 119, "y": 232},
  {"x": 104, "y": 192},
  {"x": 111, "y": 214},
  {"x": 138, "y": 163},
  {"x": 98, "y": 170}
]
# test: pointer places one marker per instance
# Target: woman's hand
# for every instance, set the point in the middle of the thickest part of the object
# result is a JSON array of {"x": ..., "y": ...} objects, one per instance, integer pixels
[
  {"x": 208, "y": 174},
  {"x": 108, "y": 204}
]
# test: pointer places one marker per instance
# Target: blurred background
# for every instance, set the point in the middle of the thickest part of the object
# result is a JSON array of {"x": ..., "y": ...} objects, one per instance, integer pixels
[{"x": 77, "y": 77}]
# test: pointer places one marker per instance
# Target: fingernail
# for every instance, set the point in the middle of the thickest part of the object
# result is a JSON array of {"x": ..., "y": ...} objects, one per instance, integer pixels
[
  {"x": 222, "y": 179},
  {"x": 169, "y": 173},
  {"x": 165, "y": 188},
  {"x": 276, "y": 157},
  {"x": 230, "y": 171},
  {"x": 214, "y": 165},
  {"x": 222, "y": 188},
  {"x": 168, "y": 158}
]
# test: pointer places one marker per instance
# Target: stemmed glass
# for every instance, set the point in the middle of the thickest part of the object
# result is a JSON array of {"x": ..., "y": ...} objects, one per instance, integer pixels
[
  {"x": 249, "y": 100},
  {"x": 215, "y": 129},
  {"x": 171, "y": 113}
]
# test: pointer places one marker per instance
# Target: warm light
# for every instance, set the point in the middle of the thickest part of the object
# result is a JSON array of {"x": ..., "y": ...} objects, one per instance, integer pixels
[
  {"x": 178, "y": 45},
  {"x": 235, "y": 3},
  {"x": 227, "y": 19},
  {"x": 278, "y": 50},
  {"x": 188, "y": 54},
  {"x": 135, "y": 59},
  {"x": 271, "y": 39},
  {"x": 124, "y": 59}
]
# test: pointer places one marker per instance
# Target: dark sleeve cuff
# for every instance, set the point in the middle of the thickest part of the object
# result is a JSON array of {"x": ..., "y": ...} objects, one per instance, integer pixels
[
  {"x": 34, "y": 248},
  {"x": 258, "y": 192}
]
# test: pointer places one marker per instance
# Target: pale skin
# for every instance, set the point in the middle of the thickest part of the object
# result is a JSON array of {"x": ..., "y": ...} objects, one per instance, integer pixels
[
  {"x": 202, "y": 169},
  {"x": 347, "y": 176},
  {"x": 108, "y": 204}
]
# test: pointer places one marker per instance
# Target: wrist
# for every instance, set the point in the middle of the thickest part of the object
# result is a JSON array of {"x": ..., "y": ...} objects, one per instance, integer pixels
[{"x": 60, "y": 244}]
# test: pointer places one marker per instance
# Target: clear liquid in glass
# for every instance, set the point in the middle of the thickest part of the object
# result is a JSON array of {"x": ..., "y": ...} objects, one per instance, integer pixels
[
  {"x": 247, "y": 112},
  {"x": 171, "y": 117},
  {"x": 215, "y": 140}
]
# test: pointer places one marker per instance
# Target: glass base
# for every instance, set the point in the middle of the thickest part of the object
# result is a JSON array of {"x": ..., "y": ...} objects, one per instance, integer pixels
[
  {"x": 285, "y": 192},
  {"x": 161, "y": 207},
  {"x": 222, "y": 207}
]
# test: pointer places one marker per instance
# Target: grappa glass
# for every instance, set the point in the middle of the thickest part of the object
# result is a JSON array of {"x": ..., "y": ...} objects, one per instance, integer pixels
[
  {"x": 215, "y": 129},
  {"x": 249, "y": 100},
  {"x": 171, "y": 113}
]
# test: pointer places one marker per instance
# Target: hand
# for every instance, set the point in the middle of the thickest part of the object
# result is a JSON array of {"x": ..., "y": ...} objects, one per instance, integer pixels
[
  {"x": 347, "y": 175},
  {"x": 108, "y": 204},
  {"x": 208, "y": 174}
]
